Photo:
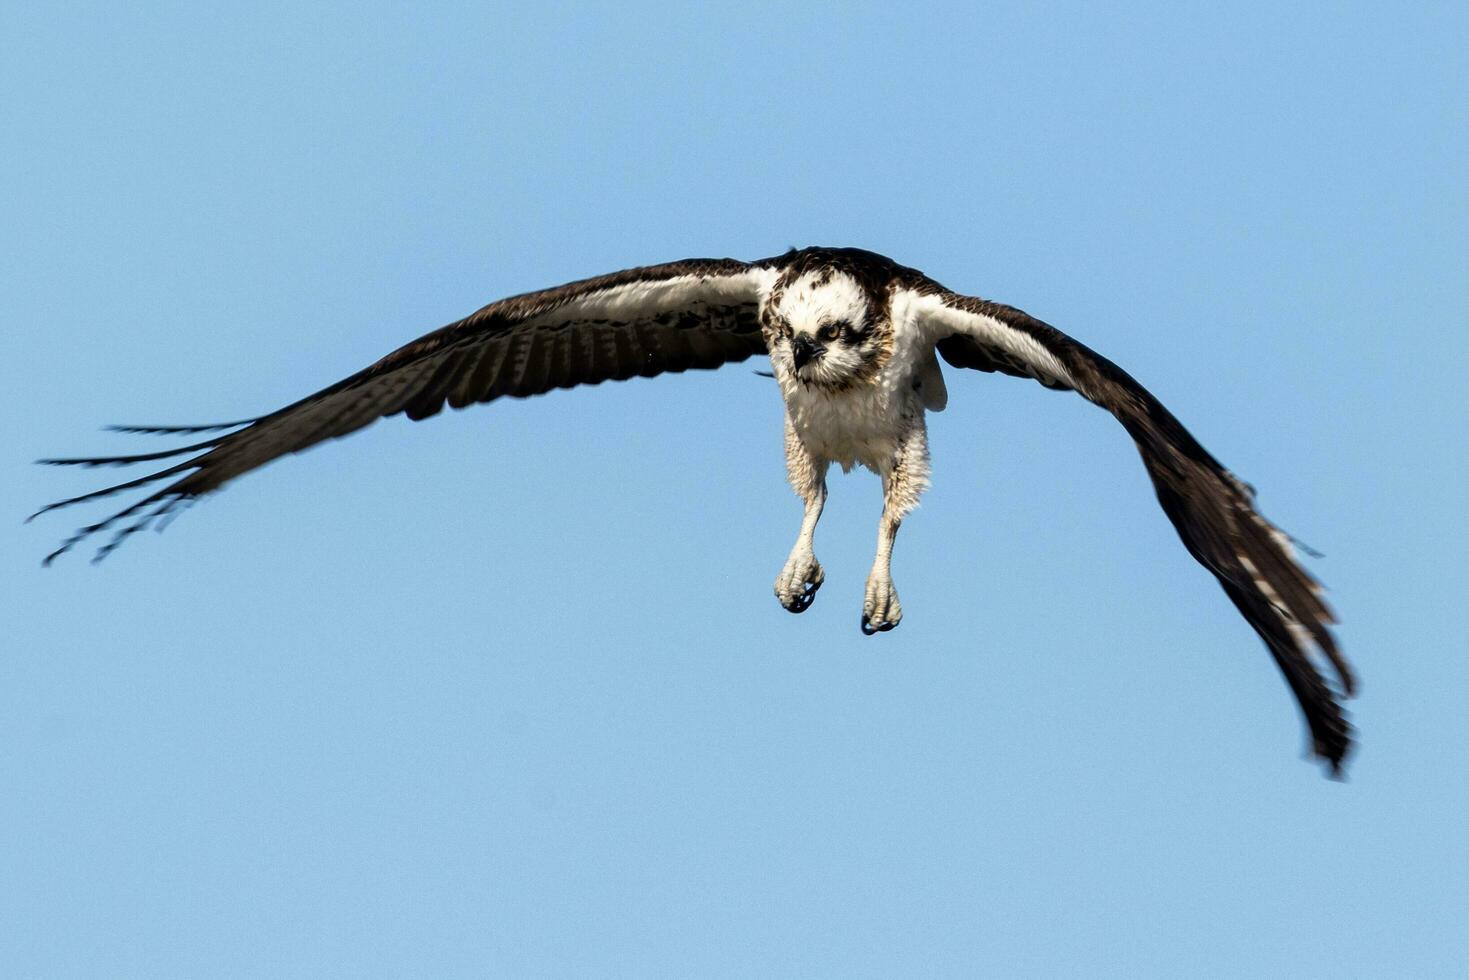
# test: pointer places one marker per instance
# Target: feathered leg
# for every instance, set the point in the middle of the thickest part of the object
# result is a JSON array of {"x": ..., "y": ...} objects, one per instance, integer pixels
[
  {"x": 903, "y": 482},
  {"x": 802, "y": 575}
]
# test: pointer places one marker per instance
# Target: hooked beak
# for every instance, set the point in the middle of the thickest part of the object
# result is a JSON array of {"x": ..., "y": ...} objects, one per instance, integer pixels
[{"x": 803, "y": 351}]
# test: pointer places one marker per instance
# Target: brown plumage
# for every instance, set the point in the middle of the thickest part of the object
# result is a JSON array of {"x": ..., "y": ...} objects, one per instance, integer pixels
[
  {"x": 1212, "y": 510},
  {"x": 507, "y": 348},
  {"x": 703, "y": 313}
]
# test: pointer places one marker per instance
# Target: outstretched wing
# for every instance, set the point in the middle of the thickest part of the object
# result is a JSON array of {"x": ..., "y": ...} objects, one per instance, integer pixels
[
  {"x": 698, "y": 313},
  {"x": 1211, "y": 508}
]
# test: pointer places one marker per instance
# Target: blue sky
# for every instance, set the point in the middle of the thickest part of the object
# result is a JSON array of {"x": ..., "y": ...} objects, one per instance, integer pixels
[{"x": 506, "y": 693}]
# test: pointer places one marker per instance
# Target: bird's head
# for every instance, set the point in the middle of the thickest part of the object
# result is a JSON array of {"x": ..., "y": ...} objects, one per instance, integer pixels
[{"x": 834, "y": 331}]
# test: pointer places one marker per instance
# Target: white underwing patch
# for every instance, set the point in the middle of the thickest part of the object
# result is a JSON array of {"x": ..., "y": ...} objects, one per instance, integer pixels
[{"x": 944, "y": 319}]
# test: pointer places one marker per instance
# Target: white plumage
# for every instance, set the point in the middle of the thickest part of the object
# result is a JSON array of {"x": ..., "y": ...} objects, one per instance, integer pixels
[{"x": 854, "y": 341}]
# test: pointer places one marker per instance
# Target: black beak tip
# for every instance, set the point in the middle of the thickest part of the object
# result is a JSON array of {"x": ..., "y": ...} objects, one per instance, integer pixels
[{"x": 803, "y": 352}]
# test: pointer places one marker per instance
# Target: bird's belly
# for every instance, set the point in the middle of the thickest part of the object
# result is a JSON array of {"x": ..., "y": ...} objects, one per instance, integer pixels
[{"x": 847, "y": 428}]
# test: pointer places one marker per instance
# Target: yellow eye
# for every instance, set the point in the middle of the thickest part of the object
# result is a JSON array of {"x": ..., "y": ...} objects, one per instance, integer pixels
[{"x": 830, "y": 332}]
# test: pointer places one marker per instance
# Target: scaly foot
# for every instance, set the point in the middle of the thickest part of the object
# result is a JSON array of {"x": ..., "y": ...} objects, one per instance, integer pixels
[
  {"x": 797, "y": 583},
  {"x": 881, "y": 610}
]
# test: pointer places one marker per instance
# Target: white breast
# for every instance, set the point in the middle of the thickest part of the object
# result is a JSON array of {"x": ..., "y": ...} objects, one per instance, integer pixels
[{"x": 862, "y": 425}]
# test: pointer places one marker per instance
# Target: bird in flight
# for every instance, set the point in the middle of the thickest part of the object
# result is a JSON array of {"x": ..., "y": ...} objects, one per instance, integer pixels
[{"x": 854, "y": 341}]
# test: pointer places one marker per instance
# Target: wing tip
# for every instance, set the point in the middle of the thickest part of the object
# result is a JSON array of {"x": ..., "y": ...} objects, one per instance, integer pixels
[
  {"x": 164, "y": 430},
  {"x": 1334, "y": 755}
]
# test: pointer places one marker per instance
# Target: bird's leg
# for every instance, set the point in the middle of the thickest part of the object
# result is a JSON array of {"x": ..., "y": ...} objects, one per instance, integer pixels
[
  {"x": 798, "y": 581},
  {"x": 902, "y": 483},
  {"x": 881, "y": 610}
]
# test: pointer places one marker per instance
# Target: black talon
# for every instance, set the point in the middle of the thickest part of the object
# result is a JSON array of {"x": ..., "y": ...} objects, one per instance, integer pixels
[
  {"x": 802, "y": 602},
  {"x": 868, "y": 629}
]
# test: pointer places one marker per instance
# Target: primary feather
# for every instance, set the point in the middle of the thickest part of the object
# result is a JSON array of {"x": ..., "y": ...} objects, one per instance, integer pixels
[{"x": 852, "y": 338}]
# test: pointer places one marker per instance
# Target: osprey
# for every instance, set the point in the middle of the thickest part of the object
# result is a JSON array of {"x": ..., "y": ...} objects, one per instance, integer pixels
[{"x": 854, "y": 341}]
